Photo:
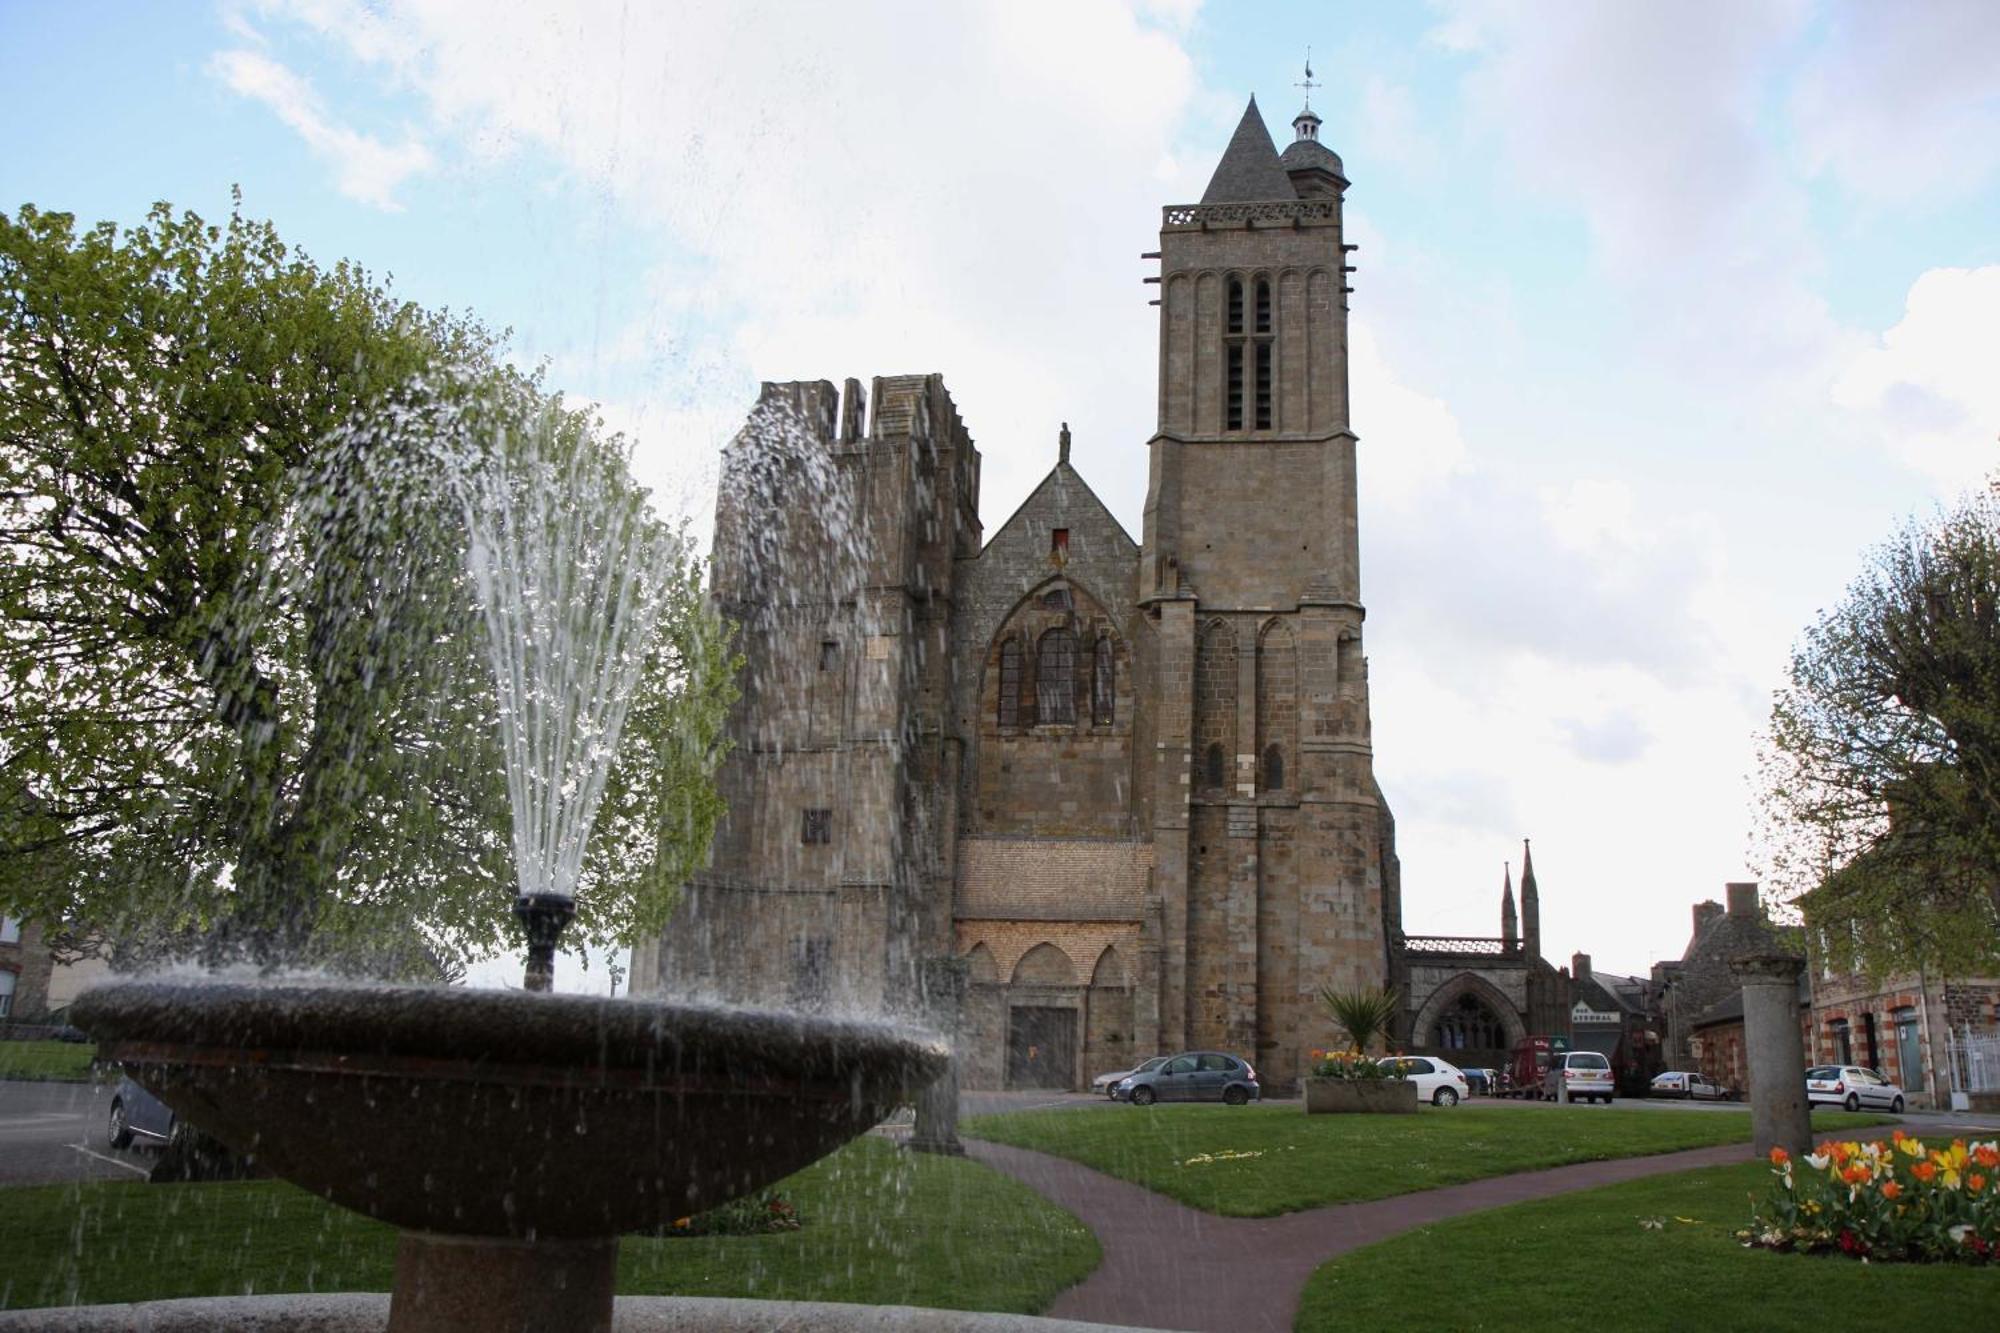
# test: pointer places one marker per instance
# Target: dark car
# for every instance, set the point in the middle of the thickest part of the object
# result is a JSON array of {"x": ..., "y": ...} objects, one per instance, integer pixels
[
  {"x": 138, "y": 1116},
  {"x": 1193, "y": 1076}
]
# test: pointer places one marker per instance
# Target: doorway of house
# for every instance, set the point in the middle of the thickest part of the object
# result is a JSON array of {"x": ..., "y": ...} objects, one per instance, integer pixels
[{"x": 1041, "y": 1047}]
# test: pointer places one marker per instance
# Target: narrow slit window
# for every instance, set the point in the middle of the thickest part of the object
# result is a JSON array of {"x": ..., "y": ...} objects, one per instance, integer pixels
[
  {"x": 1263, "y": 306},
  {"x": 1235, "y": 305},
  {"x": 1213, "y": 765},
  {"x": 1103, "y": 682},
  {"x": 1010, "y": 683},
  {"x": 829, "y": 655},
  {"x": 1263, "y": 354},
  {"x": 1055, "y": 678},
  {"x": 816, "y": 830},
  {"x": 1274, "y": 768},
  {"x": 1059, "y": 541}
]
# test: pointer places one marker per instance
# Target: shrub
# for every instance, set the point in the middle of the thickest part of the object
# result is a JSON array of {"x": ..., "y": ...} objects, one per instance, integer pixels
[
  {"x": 1362, "y": 1014},
  {"x": 1350, "y": 1065}
]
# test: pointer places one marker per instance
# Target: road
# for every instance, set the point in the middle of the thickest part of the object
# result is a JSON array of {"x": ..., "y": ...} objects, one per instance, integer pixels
[{"x": 52, "y": 1133}]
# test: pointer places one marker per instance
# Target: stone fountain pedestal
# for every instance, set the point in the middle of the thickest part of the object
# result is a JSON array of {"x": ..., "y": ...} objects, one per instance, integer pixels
[{"x": 511, "y": 1136}]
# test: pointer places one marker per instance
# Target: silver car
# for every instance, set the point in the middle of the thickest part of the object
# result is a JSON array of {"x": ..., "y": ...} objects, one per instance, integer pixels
[
  {"x": 1193, "y": 1076},
  {"x": 1108, "y": 1083},
  {"x": 1850, "y": 1087}
]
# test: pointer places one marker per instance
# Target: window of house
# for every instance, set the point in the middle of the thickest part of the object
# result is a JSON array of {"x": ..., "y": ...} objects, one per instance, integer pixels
[
  {"x": 10, "y": 930},
  {"x": 1010, "y": 683},
  {"x": 1103, "y": 682},
  {"x": 7, "y": 980},
  {"x": 817, "y": 827},
  {"x": 829, "y": 655},
  {"x": 1055, "y": 678},
  {"x": 1843, "y": 1041}
]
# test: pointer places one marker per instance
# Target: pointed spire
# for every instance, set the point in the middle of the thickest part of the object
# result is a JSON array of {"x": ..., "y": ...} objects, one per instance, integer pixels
[
  {"x": 1531, "y": 904},
  {"x": 1510, "y": 931},
  {"x": 1249, "y": 171}
]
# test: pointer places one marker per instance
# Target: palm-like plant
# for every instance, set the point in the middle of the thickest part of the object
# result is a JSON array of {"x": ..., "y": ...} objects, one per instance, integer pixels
[{"x": 1363, "y": 1014}]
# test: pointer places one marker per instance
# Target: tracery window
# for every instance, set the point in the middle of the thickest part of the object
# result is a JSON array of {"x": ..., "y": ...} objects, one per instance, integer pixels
[
  {"x": 1103, "y": 682},
  {"x": 1469, "y": 1025},
  {"x": 1010, "y": 683},
  {"x": 1055, "y": 678}
]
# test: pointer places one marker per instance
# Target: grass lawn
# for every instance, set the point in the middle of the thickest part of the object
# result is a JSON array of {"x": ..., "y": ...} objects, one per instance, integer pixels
[
  {"x": 1259, "y": 1161},
  {"x": 1584, "y": 1262},
  {"x": 881, "y": 1226},
  {"x": 54, "y": 1061}
]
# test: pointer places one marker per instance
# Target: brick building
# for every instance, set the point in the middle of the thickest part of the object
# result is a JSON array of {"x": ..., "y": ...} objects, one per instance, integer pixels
[
  {"x": 25, "y": 965},
  {"x": 1129, "y": 783}
]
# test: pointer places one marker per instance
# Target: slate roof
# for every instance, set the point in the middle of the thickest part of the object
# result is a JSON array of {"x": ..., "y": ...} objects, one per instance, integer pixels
[
  {"x": 1307, "y": 154},
  {"x": 1249, "y": 171}
]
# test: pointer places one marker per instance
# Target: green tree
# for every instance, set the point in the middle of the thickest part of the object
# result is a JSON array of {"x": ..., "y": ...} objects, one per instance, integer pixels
[
  {"x": 242, "y": 698},
  {"x": 1881, "y": 776}
]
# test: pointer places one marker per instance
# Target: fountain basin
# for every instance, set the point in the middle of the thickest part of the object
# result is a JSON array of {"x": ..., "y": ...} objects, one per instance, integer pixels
[{"x": 502, "y": 1114}]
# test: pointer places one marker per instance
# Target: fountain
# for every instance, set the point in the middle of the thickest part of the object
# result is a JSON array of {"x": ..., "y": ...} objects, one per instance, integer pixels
[{"x": 513, "y": 1136}]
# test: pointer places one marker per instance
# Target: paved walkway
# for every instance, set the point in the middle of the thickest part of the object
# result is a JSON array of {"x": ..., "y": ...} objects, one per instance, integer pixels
[{"x": 1169, "y": 1266}]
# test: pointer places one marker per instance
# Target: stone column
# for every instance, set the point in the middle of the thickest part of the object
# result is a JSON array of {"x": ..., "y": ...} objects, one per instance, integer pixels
[
  {"x": 1774, "y": 1051},
  {"x": 943, "y": 982}
]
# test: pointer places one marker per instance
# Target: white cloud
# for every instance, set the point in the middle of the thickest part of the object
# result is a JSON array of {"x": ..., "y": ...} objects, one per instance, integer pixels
[
  {"x": 1902, "y": 105},
  {"x": 1930, "y": 386},
  {"x": 365, "y": 168}
]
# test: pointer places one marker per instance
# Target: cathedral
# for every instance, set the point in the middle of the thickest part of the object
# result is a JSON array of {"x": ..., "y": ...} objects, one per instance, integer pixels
[{"x": 1127, "y": 785}]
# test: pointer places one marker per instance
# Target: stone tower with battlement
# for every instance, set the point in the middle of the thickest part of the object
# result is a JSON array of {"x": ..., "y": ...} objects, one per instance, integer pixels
[{"x": 1129, "y": 784}]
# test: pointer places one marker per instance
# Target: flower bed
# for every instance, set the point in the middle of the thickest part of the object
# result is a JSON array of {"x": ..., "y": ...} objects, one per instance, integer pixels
[
  {"x": 1896, "y": 1202},
  {"x": 1344, "y": 1082}
]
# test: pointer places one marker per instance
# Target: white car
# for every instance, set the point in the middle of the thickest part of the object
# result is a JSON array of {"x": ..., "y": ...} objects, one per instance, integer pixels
[
  {"x": 1850, "y": 1087},
  {"x": 1689, "y": 1085},
  {"x": 1438, "y": 1082},
  {"x": 1578, "y": 1076},
  {"x": 1108, "y": 1083}
]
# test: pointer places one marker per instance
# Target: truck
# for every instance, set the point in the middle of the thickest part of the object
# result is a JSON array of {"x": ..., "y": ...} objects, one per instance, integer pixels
[{"x": 1528, "y": 1063}]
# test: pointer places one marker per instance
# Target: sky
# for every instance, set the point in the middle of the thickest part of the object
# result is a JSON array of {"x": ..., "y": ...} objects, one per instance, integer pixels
[{"x": 1665, "y": 314}]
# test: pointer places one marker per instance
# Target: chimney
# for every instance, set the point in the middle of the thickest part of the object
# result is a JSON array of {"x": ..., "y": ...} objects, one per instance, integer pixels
[
  {"x": 1579, "y": 966},
  {"x": 1705, "y": 912},
  {"x": 1743, "y": 902}
]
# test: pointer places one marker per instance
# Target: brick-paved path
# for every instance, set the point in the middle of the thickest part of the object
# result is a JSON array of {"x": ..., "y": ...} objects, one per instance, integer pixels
[{"x": 1168, "y": 1266}]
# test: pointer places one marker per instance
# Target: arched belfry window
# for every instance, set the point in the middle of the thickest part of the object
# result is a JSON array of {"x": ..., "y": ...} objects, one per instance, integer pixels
[
  {"x": 1103, "y": 682},
  {"x": 1010, "y": 683},
  {"x": 1263, "y": 354},
  {"x": 1055, "y": 678},
  {"x": 1233, "y": 350}
]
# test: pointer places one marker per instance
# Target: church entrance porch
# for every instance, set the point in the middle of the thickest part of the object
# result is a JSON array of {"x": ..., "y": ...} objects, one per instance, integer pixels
[{"x": 1041, "y": 1047}]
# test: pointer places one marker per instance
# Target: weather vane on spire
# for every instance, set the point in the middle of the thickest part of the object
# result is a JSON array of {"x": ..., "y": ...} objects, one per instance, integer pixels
[{"x": 1307, "y": 83}]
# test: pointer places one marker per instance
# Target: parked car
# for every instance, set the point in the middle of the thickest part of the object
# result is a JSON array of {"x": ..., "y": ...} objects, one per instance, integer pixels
[
  {"x": 1686, "y": 1084},
  {"x": 1578, "y": 1076},
  {"x": 1484, "y": 1082},
  {"x": 1439, "y": 1082},
  {"x": 1851, "y": 1088},
  {"x": 1108, "y": 1083},
  {"x": 1192, "y": 1076},
  {"x": 138, "y": 1116}
]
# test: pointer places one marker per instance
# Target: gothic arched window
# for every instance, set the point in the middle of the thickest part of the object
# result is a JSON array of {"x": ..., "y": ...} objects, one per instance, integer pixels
[
  {"x": 1274, "y": 768},
  {"x": 1055, "y": 678},
  {"x": 1468, "y": 1025},
  {"x": 1103, "y": 682},
  {"x": 1010, "y": 683},
  {"x": 1232, "y": 357}
]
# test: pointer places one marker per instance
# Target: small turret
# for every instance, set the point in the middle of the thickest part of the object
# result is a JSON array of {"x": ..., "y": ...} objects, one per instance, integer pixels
[{"x": 1510, "y": 931}]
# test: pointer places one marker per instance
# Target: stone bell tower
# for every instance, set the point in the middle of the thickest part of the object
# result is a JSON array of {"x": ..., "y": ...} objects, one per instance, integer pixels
[{"x": 1274, "y": 861}]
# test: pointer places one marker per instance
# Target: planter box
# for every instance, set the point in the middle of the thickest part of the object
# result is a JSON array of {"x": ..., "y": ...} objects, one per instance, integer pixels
[{"x": 1382, "y": 1096}]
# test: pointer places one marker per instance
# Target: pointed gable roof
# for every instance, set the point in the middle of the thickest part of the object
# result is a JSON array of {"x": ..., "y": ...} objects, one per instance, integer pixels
[{"x": 1249, "y": 171}]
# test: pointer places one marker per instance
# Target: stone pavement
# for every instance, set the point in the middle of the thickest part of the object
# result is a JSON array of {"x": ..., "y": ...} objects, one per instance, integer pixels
[{"x": 1169, "y": 1266}]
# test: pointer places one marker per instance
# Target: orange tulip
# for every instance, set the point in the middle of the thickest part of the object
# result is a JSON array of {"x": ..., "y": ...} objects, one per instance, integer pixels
[
  {"x": 1986, "y": 1155},
  {"x": 1924, "y": 1171},
  {"x": 1891, "y": 1189},
  {"x": 1976, "y": 1182},
  {"x": 1779, "y": 1157}
]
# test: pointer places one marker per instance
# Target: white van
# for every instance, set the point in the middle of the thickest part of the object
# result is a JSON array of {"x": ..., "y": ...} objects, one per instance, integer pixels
[{"x": 1578, "y": 1076}]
